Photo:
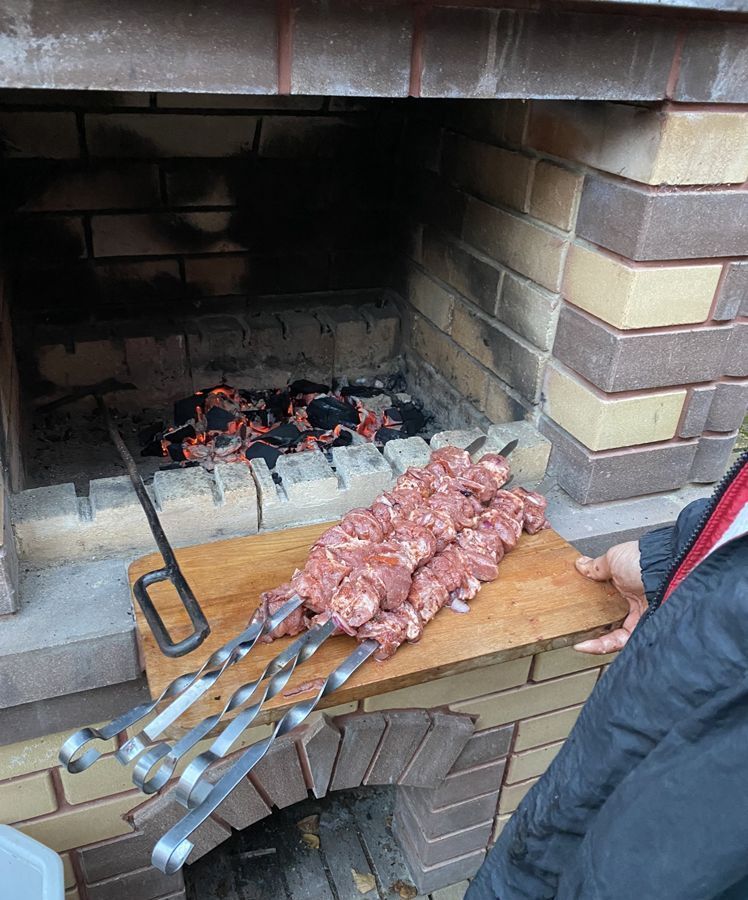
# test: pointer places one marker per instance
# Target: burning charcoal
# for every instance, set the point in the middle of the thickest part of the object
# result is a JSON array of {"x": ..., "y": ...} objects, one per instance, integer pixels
[
  {"x": 303, "y": 386},
  {"x": 344, "y": 439},
  {"x": 285, "y": 435},
  {"x": 327, "y": 412},
  {"x": 393, "y": 417},
  {"x": 413, "y": 418},
  {"x": 218, "y": 419},
  {"x": 261, "y": 450},
  {"x": 387, "y": 434},
  {"x": 179, "y": 435},
  {"x": 359, "y": 390},
  {"x": 153, "y": 448},
  {"x": 224, "y": 441},
  {"x": 184, "y": 409},
  {"x": 176, "y": 453}
]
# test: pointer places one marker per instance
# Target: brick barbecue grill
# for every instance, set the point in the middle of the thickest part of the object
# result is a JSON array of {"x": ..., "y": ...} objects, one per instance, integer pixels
[{"x": 315, "y": 242}]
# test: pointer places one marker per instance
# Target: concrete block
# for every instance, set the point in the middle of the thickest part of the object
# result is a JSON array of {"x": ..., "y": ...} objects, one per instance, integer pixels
[
  {"x": 405, "y": 729},
  {"x": 439, "y": 750},
  {"x": 460, "y": 438},
  {"x": 237, "y": 493},
  {"x": 363, "y": 473},
  {"x": 404, "y": 452},
  {"x": 361, "y": 735},
  {"x": 71, "y": 639},
  {"x": 307, "y": 477},
  {"x": 46, "y": 522},
  {"x": 484, "y": 747},
  {"x": 530, "y": 458},
  {"x": 319, "y": 749}
]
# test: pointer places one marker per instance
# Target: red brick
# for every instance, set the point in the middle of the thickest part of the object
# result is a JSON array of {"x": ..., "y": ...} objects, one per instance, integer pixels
[
  {"x": 404, "y": 732},
  {"x": 361, "y": 735},
  {"x": 728, "y": 407},
  {"x": 456, "y": 816},
  {"x": 279, "y": 772},
  {"x": 485, "y": 746},
  {"x": 439, "y": 750},
  {"x": 697, "y": 406},
  {"x": 145, "y": 883},
  {"x": 440, "y": 850},
  {"x": 319, "y": 747},
  {"x": 468, "y": 783}
]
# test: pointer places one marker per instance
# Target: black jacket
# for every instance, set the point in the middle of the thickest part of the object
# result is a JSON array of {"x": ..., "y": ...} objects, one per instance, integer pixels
[{"x": 648, "y": 798}]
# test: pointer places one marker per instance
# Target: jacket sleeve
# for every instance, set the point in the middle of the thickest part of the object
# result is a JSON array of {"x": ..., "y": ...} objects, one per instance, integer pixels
[{"x": 659, "y": 548}]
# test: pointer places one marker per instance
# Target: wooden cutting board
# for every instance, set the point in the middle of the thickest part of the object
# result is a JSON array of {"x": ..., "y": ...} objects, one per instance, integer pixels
[{"x": 538, "y": 602}]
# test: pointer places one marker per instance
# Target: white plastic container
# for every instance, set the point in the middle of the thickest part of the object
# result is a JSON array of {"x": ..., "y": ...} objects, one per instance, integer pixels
[{"x": 28, "y": 869}]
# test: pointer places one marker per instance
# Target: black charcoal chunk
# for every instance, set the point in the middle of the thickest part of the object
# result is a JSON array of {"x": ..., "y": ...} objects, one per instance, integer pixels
[
  {"x": 176, "y": 453},
  {"x": 387, "y": 434},
  {"x": 284, "y": 435},
  {"x": 413, "y": 419},
  {"x": 327, "y": 412},
  {"x": 218, "y": 419},
  {"x": 184, "y": 409},
  {"x": 147, "y": 434},
  {"x": 261, "y": 450},
  {"x": 179, "y": 435},
  {"x": 304, "y": 386},
  {"x": 344, "y": 439}
]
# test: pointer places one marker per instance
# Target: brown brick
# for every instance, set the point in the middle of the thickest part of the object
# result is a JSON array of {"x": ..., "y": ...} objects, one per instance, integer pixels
[
  {"x": 361, "y": 735},
  {"x": 516, "y": 53},
  {"x": 319, "y": 747},
  {"x": 39, "y": 135},
  {"x": 554, "y": 194},
  {"x": 404, "y": 731},
  {"x": 279, "y": 773},
  {"x": 491, "y": 173},
  {"x": 439, "y": 749},
  {"x": 244, "y": 806},
  {"x": 26, "y": 798},
  {"x": 646, "y": 224},
  {"x": 528, "y": 309},
  {"x": 123, "y": 854},
  {"x": 155, "y": 817},
  {"x": 712, "y": 457},
  {"x": 442, "y": 849},
  {"x": 435, "y": 824},
  {"x": 732, "y": 297},
  {"x": 617, "y": 360},
  {"x": 484, "y": 746},
  {"x": 351, "y": 50},
  {"x": 617, "y": 474},
  {"x": 461, "y": 786},
  {"x": 472, "y": 274},
  {"x": 696, "y": 413},
  {"x": 430, "y": 298},
  {"x": 543, "y": 729},
  {"x": 728, "y": 407},
  {"x": 134, "y": 235},
  {"x": 517, "y": 363},
  {"x": 515, "y": 242},
  {"x": 713, "y": 66},
  {"x": 736, "y": 352},
  {"x": 450, "y": 361}
]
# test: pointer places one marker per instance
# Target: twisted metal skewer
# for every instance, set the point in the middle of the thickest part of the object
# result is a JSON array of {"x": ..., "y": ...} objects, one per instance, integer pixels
[
  {"x": 222, "y": 658},
  {"x": 278, "y": 670},
  {"x": 173, "y": 848}
]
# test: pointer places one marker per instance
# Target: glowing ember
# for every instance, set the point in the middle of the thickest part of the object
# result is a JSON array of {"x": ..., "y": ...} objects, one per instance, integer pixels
[{"x": 226, "y": 424}]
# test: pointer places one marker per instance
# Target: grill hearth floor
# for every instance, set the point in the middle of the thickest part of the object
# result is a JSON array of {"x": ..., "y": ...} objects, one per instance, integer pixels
[{"x": 271, "y": 861}]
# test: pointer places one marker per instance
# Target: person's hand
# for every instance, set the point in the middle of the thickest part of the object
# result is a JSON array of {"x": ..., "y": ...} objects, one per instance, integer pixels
[{"x": 620, "y": 565}]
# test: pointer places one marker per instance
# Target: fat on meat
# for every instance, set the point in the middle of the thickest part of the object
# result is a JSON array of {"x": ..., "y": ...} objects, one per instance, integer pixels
[
  {"x": 508, "y": 528},
  {"x": 270, "y": 603},
  {"x": 497, "y": 465},
  {"x": 415, "y": 540},
  {"x": 388, "y": 630},
  {"x": 450, "y": 460},
  {"x": 427, "y": 595},
  {"x": 363, "y": 524},
  {"x": 438, "y": 522},
  {"x": 356, "y": 601},
  {"x": 534, "y": 506}
]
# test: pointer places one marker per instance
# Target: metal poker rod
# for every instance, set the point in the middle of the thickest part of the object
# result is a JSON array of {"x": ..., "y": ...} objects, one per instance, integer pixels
[
  {"x": 278, "y": 670},
  {"x": 174, "y": 847},
  {"x": 220, "y": 659}
]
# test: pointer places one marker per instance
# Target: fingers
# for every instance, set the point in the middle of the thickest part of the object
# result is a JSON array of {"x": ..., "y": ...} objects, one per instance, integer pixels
[
  {"x": 596, "y": 569},
  {"x": 606, "y": 643}
]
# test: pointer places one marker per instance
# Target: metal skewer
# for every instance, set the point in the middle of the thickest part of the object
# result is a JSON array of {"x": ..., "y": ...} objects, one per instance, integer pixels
[
  {"x": 278, "y": 670},
  {"x": 172, "y": 850},
  {"x": 226, "y": 655}
]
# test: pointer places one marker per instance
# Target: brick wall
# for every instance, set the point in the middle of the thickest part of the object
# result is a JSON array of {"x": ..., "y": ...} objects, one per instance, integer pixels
[
  {"x": 131, "y": 202},
  {"x": 522, "y": 711},
  {"x": 582, "y": 264}
]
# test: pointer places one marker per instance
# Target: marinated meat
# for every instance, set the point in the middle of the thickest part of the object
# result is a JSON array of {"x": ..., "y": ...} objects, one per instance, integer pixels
[
  {"x": 270, "y": 603},
  {"x": 413, "y": 625},
  {"x": 356, "y": 601},
  {"x": 534, "y": 506},
  {"x": 388, "y": 630},
  {"x": 456, "y": 505},
  {"x": 497, "y": 465},
  {"x": 311, "y": 591},
  {"x": 438, "y": 523},
  {"x": 415, "y": 540},
  {"x": 427, "y": 595},
  {"x": 392, "y": 573},
  {"x": 421, "y": 480},
  {"x": 509, "y": 502},
  {"x": 364, "y": 525},
  {"x": 450, "y": 460},
  {"x": 481, "y": 483},
  {"x": 327, "y": 569},
  {"x": 508, "y": 529}
]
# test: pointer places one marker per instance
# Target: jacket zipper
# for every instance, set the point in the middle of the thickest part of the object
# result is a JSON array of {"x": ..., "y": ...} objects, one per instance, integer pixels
[{"x": 704, "y": 518}]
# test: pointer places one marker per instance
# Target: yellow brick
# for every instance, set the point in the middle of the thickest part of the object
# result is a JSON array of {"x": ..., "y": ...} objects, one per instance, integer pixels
[
  {"x": 601, "y": 421},
  {"x": 498, "y": 176},
  {"x": 455, "y": 687},
  {"x": 341, "y": 709},
  {"x": 553, "y": 663},
  {"x": 512, "y": 796},
  {"x": 36, "y": 754},
  {"x": 517, "y": 243},
  {"x": 543, "y": 729},
  {"x": 531, "y": 763},
  {"x": 430, "y": 299},
  {"x": 26, "y": 798},
  {"x": 554, "y": 194},
  {"x": 451, "y": 361},
  {"x": 107, "y": 777},
  {"x": 67, "y": 868},
  {"x": 84, "y": 825},
  {"x": 702, "y": 148},
  {"x": 638, "y": 296},
  {"x": 501, "y": 821},
  {"x": 530, "y": 700}
]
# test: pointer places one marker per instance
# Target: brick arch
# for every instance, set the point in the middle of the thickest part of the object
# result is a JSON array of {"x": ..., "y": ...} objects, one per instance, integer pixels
[{"x": 413, "y": 748}]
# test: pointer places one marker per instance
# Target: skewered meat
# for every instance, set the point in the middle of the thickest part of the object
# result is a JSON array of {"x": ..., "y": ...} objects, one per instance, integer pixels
[{"x": 534, "y": 506}]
